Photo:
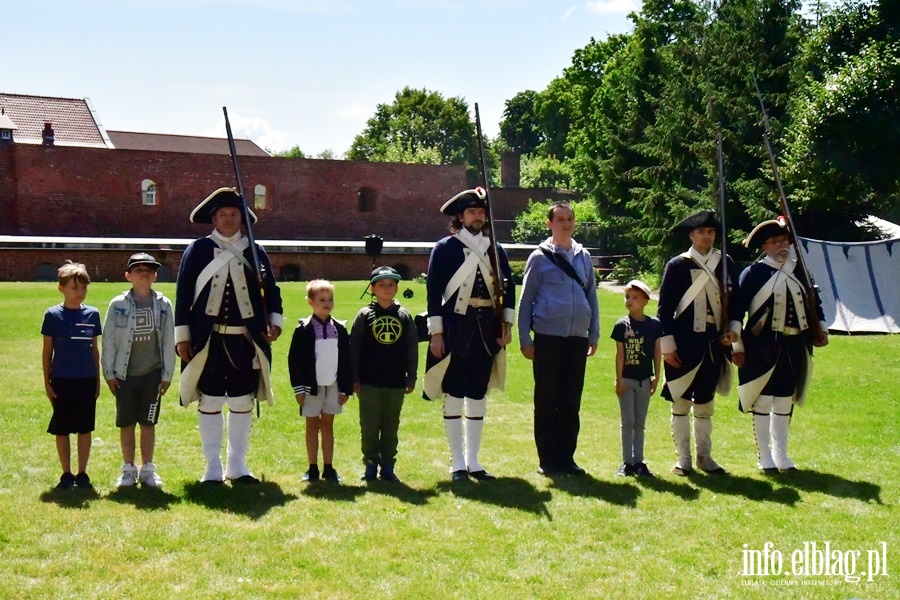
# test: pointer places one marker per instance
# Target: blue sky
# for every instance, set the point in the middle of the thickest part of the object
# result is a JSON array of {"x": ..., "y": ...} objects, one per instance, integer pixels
[{"x": 291, "y": 72}]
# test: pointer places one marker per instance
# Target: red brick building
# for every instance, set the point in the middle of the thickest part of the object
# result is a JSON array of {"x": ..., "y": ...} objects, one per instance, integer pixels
[{"x": 62, "y": 176}]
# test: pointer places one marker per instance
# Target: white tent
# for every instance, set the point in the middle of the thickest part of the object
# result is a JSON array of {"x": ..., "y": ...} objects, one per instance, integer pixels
[{"x": 859, "y": 283}]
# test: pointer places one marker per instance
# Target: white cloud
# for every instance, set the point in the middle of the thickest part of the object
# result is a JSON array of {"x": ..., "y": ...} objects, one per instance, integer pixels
[
  {"x": 355, "y": 112},
  {"x": 608, "y": 7},
  {"x": 569, "y": 12},
  {"x": 254, "y": 128}
]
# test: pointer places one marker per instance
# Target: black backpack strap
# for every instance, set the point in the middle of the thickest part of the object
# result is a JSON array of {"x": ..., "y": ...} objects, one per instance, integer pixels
[{"x": 566, "y": 267}]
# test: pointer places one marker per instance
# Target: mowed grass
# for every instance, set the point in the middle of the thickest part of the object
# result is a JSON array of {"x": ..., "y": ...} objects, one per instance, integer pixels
[{"x": 520, "y": 536}]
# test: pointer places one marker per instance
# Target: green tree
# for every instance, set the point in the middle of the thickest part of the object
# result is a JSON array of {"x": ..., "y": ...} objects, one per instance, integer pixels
[
  {"x": 294, "y": 152},
  {"x": 415, "y": 123},
  {"x": 844, "y": 144},
  {"x": 520, "y": 129}
]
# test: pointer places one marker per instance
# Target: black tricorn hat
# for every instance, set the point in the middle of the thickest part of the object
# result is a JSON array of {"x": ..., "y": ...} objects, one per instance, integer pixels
[
  {"x": 703, "y": 218},
  {"x": 766, "y": 230},
  {"x": 221, "y": 198},
  {"x": 466, "y": 199}
]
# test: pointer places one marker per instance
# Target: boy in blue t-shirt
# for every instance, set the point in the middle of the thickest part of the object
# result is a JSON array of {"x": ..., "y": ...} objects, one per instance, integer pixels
[
  {"x": 71, "y": 364},
  {"x": 638, "y": 359}
]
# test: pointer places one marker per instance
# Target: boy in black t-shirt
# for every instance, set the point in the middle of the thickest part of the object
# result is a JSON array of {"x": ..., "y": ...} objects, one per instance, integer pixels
[
  {"x": 385, "y": 356},
  {"x": 638, "y": 359}
]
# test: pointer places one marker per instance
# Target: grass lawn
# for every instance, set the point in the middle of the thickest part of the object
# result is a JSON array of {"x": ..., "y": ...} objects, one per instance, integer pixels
[{"x": 520, "y": 536}]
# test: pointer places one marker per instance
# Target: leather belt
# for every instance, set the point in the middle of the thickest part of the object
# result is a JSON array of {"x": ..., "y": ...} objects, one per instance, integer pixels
[
  {"x": 480, "y": 303},
  {"x": 791, "y": 331},
  {"x": 229, "y": 329}
]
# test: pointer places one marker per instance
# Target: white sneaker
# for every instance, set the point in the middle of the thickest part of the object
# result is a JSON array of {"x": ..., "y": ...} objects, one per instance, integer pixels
[
  {"x": 148, "y": 476},
  {"x": 128, "y": 476}
]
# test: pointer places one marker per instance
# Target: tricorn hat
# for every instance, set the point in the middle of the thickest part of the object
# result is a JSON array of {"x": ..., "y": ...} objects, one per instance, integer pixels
[
  {"x": 384, "y": 273},
  {"x": 703, "y": 218},
  {"x": 765, "y": 230},
  {"x": 221, "y": 198},
  {"x": 475, "y": 198},
  {"x": 142, "y": 258}
]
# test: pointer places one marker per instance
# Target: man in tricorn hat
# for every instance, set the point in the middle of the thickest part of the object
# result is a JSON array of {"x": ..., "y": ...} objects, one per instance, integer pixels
[
  {"x": 695, "y": 347},
  {"x": 224, "y": 325},
  {"x": 775, "y": 353},
  {"x": 465, "y": 356}
]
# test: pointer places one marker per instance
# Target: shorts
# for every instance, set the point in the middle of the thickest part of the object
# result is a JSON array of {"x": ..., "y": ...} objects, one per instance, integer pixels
[
  {"x": 326, "y": 401},
  {"x": 75, "y": 405},
  {"x": 138, "y": 400}
]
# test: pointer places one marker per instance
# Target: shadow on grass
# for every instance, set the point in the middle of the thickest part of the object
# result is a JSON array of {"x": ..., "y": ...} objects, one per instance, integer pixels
[
  {"x": 328, "y": 490},
  {"x": 833, "y": 485},
  {"x": 401, "y": 491},
  {"x": 682, "y": 490},
  {"x": 625, "y": 494},
  {"x": 253, "y": 501},
  {"x": 508, "y": 492},
  {"x": 750, "y": 488},
  {"x": 144, "y": 498},
  {"x": 73, "y": 498}
]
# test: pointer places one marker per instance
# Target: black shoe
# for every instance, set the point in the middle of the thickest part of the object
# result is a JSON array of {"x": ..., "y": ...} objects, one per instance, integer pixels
[
  {"x": 245, "y": 480},
  {"x": 770, "y": 470},
  {"x": 790, "y": 470},
  {"x": 460, "y": 475},
  {"x": 212, "y": 483},
  {"x": 641, "y": 470},
  {"x": 83, "y": 481},
  {"x": 312, "y": 474},
  {"x": 718, "y": 471},
  {"x": 371, "y": 473},
  {"x": 547, "y": 470},
  {"x": 682, "y": 471},
  {"x": 387, "y": 473},
  {"x": 66, "y": 482},
  {"x": 574, "y": 469},
  {"x": 329, "y": 474},
  {"x": 481, "y": 475}
]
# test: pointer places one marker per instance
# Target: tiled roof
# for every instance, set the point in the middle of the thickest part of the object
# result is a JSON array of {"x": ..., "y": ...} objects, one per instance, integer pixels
[
  {"x": 129, "y": 140},
  {"x": 73, "y": 120}
]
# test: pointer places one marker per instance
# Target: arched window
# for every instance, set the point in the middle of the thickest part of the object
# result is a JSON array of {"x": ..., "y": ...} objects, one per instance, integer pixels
[
  {"x": 259, "y": 197},
  {"x": 148, "y": 192}
]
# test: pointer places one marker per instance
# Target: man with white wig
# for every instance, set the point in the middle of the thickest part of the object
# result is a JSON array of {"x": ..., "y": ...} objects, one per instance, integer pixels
[{"x": 774, "y": 355}]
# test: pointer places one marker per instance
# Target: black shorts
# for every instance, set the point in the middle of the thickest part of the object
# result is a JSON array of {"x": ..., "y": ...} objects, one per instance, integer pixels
[
  {"x": 137, "y": 400},
  {"x": 229, "y": 368},
  {"x": 75, "y": 405}
]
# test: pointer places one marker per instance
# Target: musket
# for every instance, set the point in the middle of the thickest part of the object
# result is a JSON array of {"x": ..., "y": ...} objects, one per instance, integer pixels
[
  {"x": 257, "y": 266},
  {"x": 812, "y": 292},
  {"x": 724, "y": 262},
  {"x": 494, "y": 254}
]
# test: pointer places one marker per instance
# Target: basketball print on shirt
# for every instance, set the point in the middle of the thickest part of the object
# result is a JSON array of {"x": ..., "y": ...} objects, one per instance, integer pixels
[{"x": 387, "y": 329}]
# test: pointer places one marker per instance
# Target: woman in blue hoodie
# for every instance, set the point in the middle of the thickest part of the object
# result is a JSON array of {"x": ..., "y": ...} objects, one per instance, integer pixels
[{"x": 559, "y": 305}]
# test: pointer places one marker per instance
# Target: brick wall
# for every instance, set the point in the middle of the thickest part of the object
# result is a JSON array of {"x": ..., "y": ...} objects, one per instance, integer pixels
[{"x": 109, "y": 265}]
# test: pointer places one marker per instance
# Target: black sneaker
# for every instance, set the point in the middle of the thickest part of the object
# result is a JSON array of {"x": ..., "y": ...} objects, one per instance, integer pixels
[
  {"x": 66, "y": 482},
  {"x": 641, "y": 470},
  {"x": 83, "y": 481},
  {"x": 312, "y": 474},
  {"x": 329, "y": 474}
]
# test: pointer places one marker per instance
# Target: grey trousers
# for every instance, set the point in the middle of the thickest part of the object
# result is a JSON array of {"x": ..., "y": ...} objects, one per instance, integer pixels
[{"x": 633, "y": 407}]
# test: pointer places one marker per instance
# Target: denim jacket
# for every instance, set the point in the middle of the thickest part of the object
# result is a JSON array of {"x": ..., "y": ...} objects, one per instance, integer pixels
[{"x": 118, "y": 333}]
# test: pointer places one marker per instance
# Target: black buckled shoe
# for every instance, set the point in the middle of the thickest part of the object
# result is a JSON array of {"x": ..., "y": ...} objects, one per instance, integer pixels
[
  {"x": 481, "y": 475},
  {"x": 460, "y": 475}
]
